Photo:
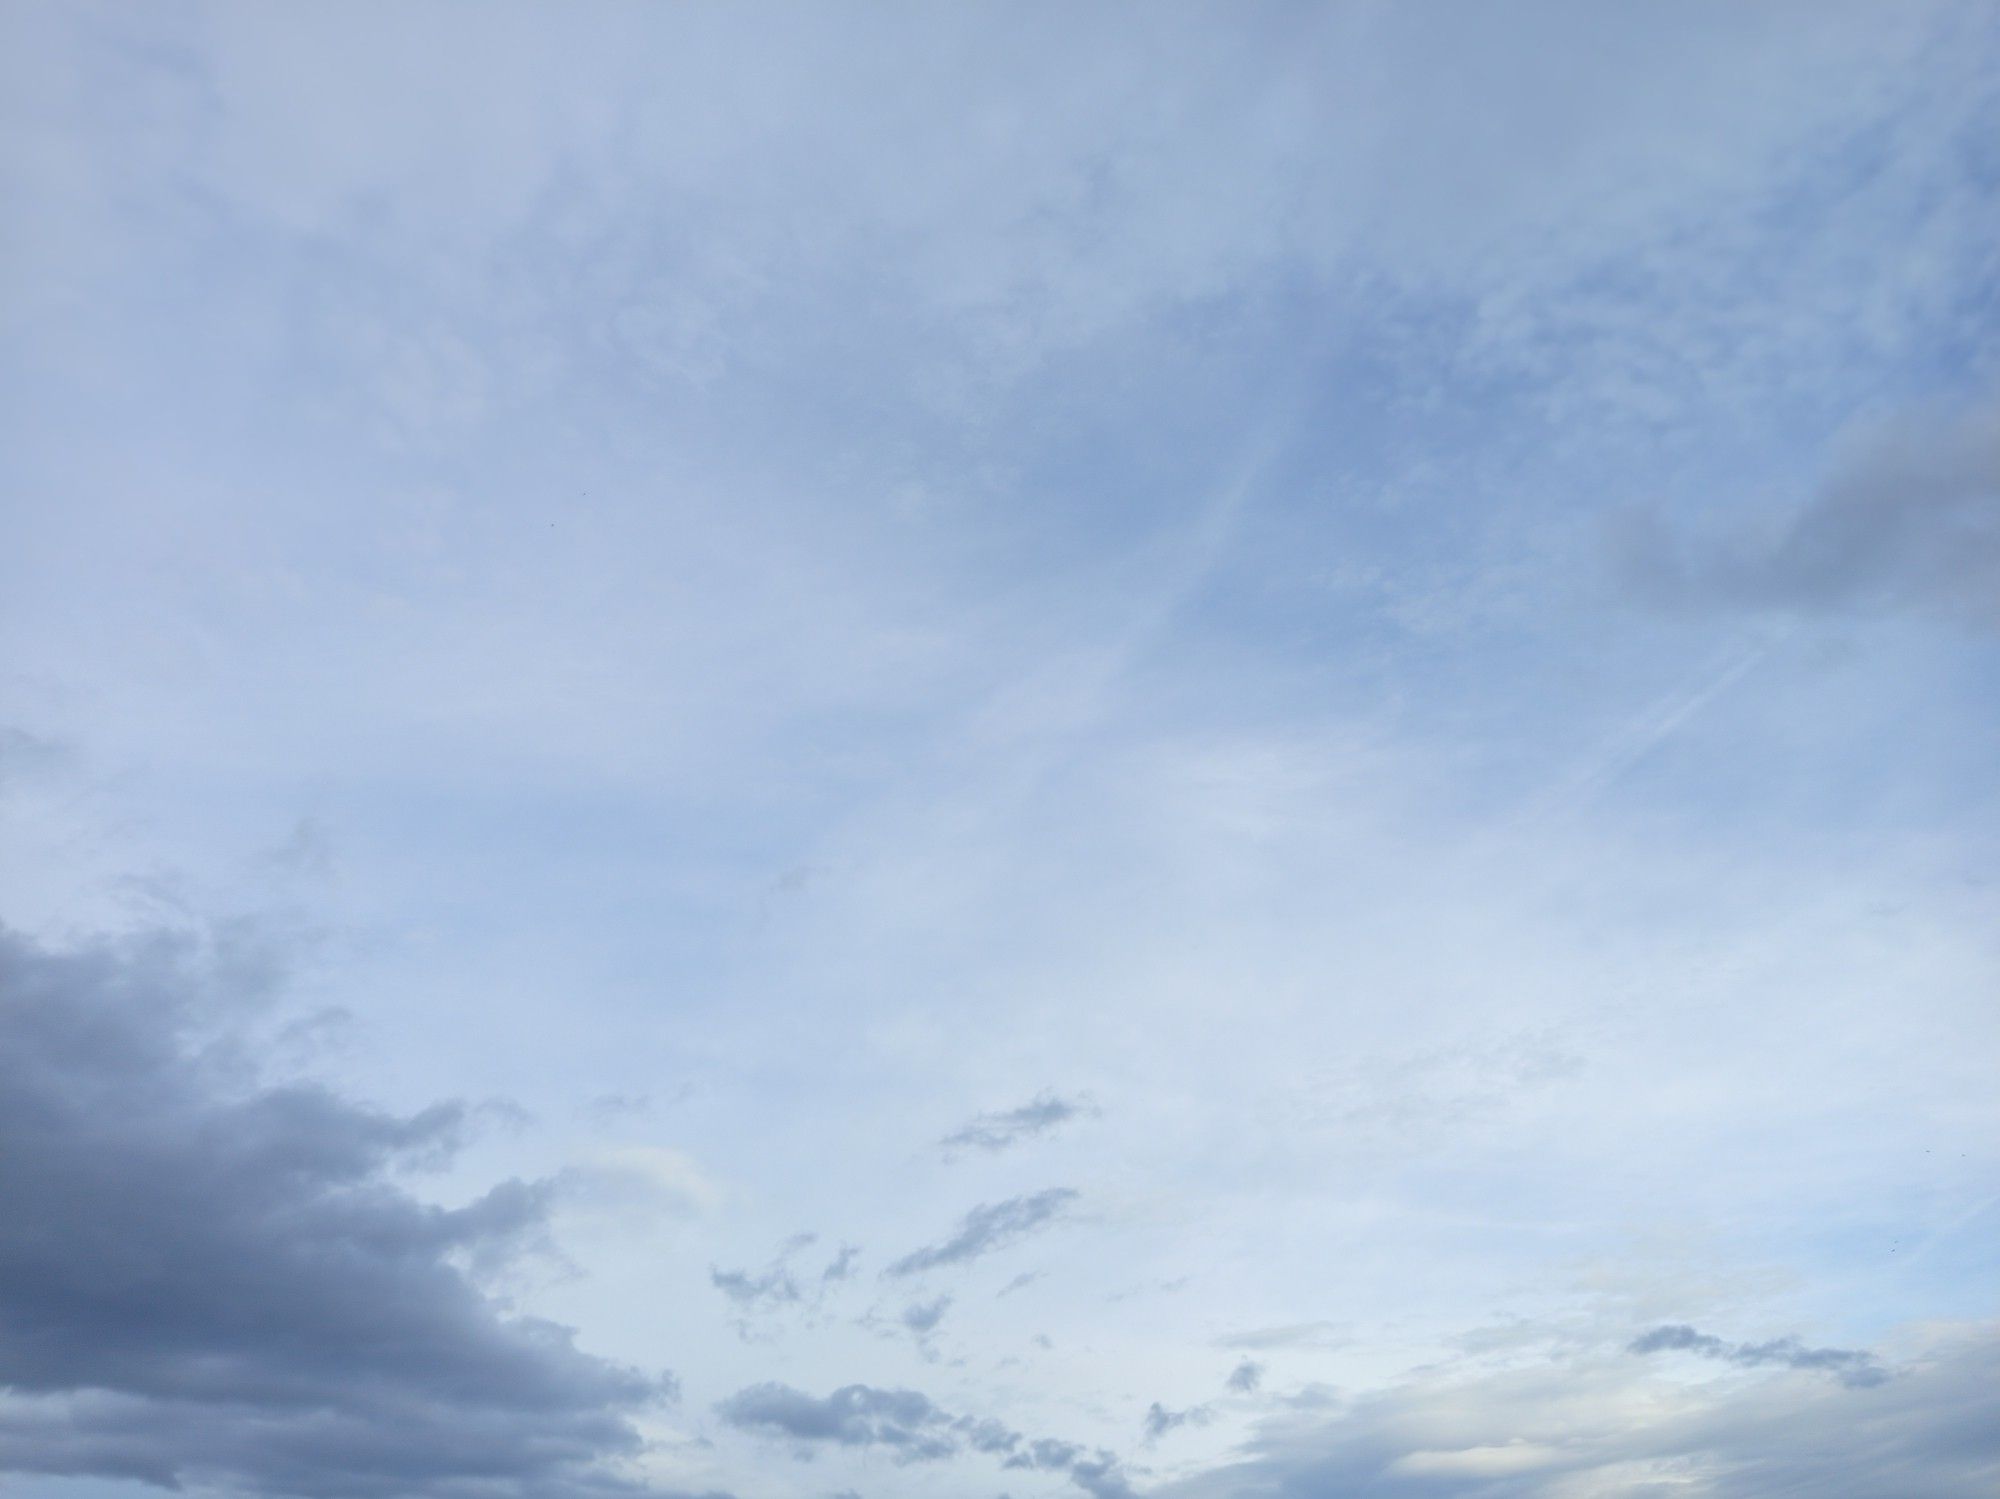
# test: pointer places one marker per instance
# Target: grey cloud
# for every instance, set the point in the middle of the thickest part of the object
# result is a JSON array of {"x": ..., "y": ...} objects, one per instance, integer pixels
[
  {"x": 1159, "y": 1420},
  {"x": 855, "y": 1415},
  {"x": 997, "y": 1131},
  {"x": 1854, "y": 1366},
  {"x": 913, "y": 1429},
  {"x": 775, "y": 1287},
  {"x": 922, "y": 1317},
  {"x": 1246, "y": 1376},
  {"x": 988, "y": 1227},
  {"x": 1908, "y": 523},
  {"x": 208, "y": 1278},
  {"x": 1097, "y": 1473},
  {"x": 841, "y": 1266},
  {"x": 1610, "y": 1425}
]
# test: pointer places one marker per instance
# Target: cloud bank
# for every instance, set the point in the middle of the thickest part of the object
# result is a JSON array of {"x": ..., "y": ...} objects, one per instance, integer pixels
[{"x": 207, "y": 1278}]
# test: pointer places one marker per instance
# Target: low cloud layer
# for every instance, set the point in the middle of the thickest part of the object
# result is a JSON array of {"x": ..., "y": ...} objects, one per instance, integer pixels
[
  {"x": 988, "y": 1227},
  {"x": 997, "y": 1131},
  {"x": 1611, "y": 1425},
  {"x": 205, "y": 1278}
]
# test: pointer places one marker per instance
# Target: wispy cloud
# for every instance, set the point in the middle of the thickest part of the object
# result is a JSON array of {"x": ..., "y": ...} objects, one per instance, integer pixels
[
  {"x": 998, "y": 1131},
  {"x": 988, "y": 1227},
  {"x": 1854, "y": 1366}
]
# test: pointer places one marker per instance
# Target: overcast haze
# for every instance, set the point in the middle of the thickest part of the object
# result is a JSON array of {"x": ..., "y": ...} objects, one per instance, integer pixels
[{"x": 938, "y": 751}]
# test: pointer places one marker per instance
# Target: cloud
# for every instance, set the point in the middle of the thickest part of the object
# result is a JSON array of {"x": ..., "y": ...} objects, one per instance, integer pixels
[
  {"x": 841, "y": 1266},
  {"x": 922, "y": 1317},
  {"x": 1245, "y": 1377},
  {"x": 1288, "y": 1335},
  {"x": 998, "y": 1131},
  {"x": 775, "y": 1287},
  {"x": 1609, "y": 1425},
  {"x": 1159, "y": 1420},
  {"x": 855, "y": 1415},
  {"x": 914, "y": 1429},
  {"x": 1908, "y": 522},
  {"x": 988, "y": 1227},
  {"x": 1855, "y": 1366},
  {"x": 206, "y": 1277}
]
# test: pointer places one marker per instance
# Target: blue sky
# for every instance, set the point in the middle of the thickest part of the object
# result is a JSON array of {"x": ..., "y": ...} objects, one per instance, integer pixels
[{"x": 1356, "y": 644}]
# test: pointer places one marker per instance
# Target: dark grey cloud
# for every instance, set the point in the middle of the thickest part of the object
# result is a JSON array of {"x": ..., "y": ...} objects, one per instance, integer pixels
[
  {"x": 1245, "y": 1377},
  {"x": 988, "y": 1227},
  {"x": 913, "y": 1429},
  {"x": 997, "y": 1131},
  {"x": 1609, "y": 1425},
  {"x": 206, "y": 1277},
  {"x": 1854, "y": 1366},
  {"x": 1908, "y": 522}
]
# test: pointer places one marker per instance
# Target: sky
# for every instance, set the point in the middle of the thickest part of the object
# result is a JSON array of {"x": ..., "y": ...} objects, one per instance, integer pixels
[{"x": 895, "y": 751}]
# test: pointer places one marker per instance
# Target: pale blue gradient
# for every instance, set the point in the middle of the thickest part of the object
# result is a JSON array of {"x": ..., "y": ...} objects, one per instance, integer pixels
[{"x": 761, "y": 582}]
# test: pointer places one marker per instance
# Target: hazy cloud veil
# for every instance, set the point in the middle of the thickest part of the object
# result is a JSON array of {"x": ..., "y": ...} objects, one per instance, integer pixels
[{"x": 923, "y": 752}]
